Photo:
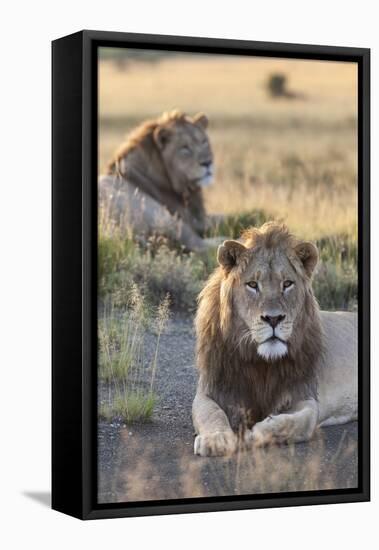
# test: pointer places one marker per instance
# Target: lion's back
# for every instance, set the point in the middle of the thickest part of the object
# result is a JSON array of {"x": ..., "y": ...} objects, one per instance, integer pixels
[{"x": 128, "y": 207}]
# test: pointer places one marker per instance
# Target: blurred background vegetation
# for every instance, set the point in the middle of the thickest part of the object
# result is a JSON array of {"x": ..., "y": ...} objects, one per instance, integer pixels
[{"x": 284, "y": 135}]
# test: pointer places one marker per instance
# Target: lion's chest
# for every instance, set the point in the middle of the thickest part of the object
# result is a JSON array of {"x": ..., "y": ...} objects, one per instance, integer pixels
[{"x": 252, "y": 395}]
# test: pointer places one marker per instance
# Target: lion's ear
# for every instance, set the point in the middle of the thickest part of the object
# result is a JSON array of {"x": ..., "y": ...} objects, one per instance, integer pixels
[
  {"x": 229, "y": 252},
  {"x": 201, "y": 120},
  {"x": 308, "y": 255},
  {"x": 161, "y": 136}
]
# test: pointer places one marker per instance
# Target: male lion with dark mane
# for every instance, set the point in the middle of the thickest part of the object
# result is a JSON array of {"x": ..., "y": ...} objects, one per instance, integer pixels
[
  {"x": 272, "y": 366},
  {"x": 155, "y": 180}
]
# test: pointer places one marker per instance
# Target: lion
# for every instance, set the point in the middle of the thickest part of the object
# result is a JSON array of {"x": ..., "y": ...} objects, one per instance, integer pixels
[
  {"x": 155, "y": 181},
  {"x": 272, "y": 366}
]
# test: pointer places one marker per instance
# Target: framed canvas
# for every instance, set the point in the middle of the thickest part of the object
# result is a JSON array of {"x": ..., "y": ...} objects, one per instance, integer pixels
[{"x": 210, "y": 274}]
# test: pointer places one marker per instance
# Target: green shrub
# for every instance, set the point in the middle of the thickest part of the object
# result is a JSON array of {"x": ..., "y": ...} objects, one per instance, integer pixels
[
  {"x": 336, "y": 280},
  {"x": 157, "y": 273},
  {"x": 179, "y": 275},
  {"x": 340, "y": 248},
  {"x": 129, "y": 407},
  {"x": 232, "y": 225},
  {"x": 114, "y": 253},
  {"x": 336, "y": 287}
]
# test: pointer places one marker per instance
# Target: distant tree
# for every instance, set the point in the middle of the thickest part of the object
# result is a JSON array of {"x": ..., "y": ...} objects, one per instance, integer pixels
[{"x": 276, "y": 85}]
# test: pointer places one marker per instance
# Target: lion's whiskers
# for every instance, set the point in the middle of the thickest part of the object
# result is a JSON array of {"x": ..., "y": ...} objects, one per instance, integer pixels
[{"x": 246, "y": 335}]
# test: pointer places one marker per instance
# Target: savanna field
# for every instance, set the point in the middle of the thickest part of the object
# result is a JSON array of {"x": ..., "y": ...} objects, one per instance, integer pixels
[{"x": 291, "y": 158}]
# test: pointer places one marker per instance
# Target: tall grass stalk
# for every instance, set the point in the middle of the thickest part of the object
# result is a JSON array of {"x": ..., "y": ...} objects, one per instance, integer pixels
[
  {"x": 123, "y": 363},
  {"x": 161, "y": 321}
]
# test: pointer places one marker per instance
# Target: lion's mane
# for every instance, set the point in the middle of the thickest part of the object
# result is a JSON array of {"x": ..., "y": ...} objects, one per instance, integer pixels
[{"x": 231, "y": 372}]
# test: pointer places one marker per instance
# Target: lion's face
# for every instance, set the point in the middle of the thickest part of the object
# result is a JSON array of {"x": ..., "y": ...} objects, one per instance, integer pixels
[
  {"x": 269, "y": 292},
  {"x": 186, "y": 152}
]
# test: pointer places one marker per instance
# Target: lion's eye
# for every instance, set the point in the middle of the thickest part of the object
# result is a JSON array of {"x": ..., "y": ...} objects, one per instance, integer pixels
[
  {"x": 253, "y": 285},
  {"x": 185, "y": 150},
  {"x": 287, "y": 284}
]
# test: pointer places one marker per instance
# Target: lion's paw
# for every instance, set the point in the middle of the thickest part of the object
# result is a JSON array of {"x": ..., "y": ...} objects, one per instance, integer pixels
[
  {"x": 247, "y": 440},
  {"x": 274, "y": 429},
  {"x": 215, "y": 444}
]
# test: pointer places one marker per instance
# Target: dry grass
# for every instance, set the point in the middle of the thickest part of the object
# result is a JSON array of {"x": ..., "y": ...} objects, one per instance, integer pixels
[{"x": 227, "y": 86}]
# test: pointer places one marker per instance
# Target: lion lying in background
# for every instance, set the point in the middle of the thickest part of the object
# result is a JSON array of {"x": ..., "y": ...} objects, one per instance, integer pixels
[
  {"x": 272, "y": 366},
  {"x": 155, "y": 180}
]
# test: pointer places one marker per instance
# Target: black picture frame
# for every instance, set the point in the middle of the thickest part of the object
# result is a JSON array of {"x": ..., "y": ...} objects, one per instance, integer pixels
[{"x": 74, "y": 272}]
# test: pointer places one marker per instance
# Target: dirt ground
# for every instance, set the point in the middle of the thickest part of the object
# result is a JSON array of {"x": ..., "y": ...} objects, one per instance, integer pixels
[{"x": 155, "y": 460}]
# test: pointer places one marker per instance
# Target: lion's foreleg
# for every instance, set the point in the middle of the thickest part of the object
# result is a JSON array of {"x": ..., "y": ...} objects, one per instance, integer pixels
[
  {"x": 215, "y": 436},
  {"x": 294, "y": 426}
]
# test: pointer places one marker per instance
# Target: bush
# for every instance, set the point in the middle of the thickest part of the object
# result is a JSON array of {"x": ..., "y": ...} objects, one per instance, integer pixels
[
  {"x": 341, "y": 248},
  {"x": 114, "y": 253},
  {"x": 157, "y": 270},
  {"x": 167, "y": 272},
  {"x": 233, "y": 225},
  {"x": 336, "y": 281},
  {"x": 336, "y": 287},
  {"x": 129, "y": 407}
]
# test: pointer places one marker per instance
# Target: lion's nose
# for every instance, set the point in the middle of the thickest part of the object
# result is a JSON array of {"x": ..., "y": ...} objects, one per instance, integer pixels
[
  {"x": 206, "y": 163},
  {"x": 273, "y": 321}
]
